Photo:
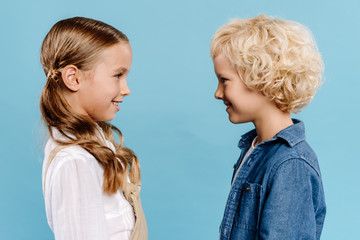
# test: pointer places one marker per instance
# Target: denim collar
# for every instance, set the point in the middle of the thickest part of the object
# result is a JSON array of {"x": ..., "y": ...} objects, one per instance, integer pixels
[{"x": 292, "y": 135}]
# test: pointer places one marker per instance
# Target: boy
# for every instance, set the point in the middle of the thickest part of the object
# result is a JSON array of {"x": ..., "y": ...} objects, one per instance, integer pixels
[{"x": 267, "y": 69}]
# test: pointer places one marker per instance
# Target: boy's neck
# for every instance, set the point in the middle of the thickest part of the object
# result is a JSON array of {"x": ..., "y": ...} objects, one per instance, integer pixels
[{"x": 269, "y": 125}]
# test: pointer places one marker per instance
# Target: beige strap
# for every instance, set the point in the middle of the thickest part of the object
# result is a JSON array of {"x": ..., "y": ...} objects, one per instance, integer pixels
[{"x": 132, "y": 194}]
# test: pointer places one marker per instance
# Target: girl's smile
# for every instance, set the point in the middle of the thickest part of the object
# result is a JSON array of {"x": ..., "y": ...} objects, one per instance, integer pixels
[
  {"x": 116, "y": 104},
  {"x": 103, "y": 87}
]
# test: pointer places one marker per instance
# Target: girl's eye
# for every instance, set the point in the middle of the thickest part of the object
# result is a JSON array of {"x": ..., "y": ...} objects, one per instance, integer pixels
[{"x": 119, "y": 75}]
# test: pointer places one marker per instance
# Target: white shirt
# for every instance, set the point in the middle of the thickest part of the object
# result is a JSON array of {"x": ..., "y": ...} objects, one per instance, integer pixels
[{"x": 76, "y": 206}]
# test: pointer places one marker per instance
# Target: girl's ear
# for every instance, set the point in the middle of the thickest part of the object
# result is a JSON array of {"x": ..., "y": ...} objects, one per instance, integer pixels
[{"x": 70, "y": 76}]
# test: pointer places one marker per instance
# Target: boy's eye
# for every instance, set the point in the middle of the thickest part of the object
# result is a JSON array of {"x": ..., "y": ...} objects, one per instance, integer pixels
[{"x": 223, "y": 80}]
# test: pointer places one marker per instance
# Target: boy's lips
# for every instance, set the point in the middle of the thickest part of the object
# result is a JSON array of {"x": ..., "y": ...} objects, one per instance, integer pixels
[{"x": 227, "y": 104}]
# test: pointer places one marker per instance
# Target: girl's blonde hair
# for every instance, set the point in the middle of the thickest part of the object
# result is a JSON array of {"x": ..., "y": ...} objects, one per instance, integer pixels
[
  {"x": 79, "y": 41},
  {"x": 278, "y": 58}
]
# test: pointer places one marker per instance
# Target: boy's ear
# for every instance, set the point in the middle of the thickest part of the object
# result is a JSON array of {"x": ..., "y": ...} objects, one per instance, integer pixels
[{"x": 70, "y": 76}]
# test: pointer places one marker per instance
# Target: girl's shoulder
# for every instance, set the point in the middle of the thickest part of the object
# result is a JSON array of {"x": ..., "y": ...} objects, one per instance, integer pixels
[
  {"x": 65, "y": 152},
  {"x": 70, "y": 163},
  {"x": 69, "y": 157}
]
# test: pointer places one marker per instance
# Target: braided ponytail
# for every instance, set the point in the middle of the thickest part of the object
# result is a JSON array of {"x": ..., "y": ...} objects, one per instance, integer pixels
[{"x": 79, "y": 41}]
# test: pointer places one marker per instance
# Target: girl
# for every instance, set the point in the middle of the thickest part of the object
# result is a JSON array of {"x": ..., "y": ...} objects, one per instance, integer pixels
[{"x": 91, "y": 184}]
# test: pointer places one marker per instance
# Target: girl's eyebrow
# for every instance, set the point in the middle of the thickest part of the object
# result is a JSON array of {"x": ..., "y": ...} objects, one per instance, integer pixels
[{"x": 121, "y": 69}]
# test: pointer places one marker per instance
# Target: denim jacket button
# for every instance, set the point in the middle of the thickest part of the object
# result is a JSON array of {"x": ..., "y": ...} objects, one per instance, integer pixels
[{"x": 247, "y": 188}]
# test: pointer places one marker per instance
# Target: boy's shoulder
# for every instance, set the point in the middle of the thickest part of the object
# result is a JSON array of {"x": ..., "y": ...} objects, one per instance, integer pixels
[
  {"x": 301, "y": 152},
  {"x": 290, "y": 144},
  {"x": 291, "y": 136}
]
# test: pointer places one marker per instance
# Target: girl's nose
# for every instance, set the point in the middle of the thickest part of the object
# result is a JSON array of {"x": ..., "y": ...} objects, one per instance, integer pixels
[{"x": 124, "y": 89}]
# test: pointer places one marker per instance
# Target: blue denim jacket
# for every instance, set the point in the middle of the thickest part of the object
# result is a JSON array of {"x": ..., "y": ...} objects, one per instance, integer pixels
[{"x": 278, "y": 192}]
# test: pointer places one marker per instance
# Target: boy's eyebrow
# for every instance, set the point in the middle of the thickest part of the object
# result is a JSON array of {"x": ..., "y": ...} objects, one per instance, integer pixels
[{"x": 219, "y": 75}]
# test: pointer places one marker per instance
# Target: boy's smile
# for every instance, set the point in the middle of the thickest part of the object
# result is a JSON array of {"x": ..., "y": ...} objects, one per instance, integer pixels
[
  {"x": 243, "y": 104},
  {"x": 227, "y": 104}
]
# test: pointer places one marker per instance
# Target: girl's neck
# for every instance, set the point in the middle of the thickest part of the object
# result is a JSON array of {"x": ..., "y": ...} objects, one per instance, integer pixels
[{"x": 272, "y": 123}]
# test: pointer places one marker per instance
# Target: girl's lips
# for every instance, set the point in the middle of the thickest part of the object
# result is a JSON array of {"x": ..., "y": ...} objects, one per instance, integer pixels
[{"x": 116, "y": 104}]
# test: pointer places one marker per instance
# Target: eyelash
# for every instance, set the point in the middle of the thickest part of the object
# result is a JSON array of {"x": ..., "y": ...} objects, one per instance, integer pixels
[
  {"x": 223, "y": 80},
  {"x": 119, "y": 75}
]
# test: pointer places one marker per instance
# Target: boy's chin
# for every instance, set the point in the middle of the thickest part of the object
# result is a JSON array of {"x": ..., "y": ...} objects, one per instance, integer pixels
[{"x": 236, "y": 120}]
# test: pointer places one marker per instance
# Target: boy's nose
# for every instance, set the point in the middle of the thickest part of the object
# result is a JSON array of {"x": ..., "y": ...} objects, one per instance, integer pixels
[{"x": 218, "y": 93}]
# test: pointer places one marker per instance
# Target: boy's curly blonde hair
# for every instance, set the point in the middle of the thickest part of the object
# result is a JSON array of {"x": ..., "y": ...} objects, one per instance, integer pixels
[{"x": 278, "y": 58}]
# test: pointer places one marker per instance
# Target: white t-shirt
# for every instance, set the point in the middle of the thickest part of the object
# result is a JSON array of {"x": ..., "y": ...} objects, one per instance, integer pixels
[
  {"x": 76, "y": 205},
  {"x": 251, "y": 149}
]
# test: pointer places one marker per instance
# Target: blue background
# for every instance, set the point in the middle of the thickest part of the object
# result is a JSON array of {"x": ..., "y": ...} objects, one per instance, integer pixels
[{"x": 181, "y": 134}]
